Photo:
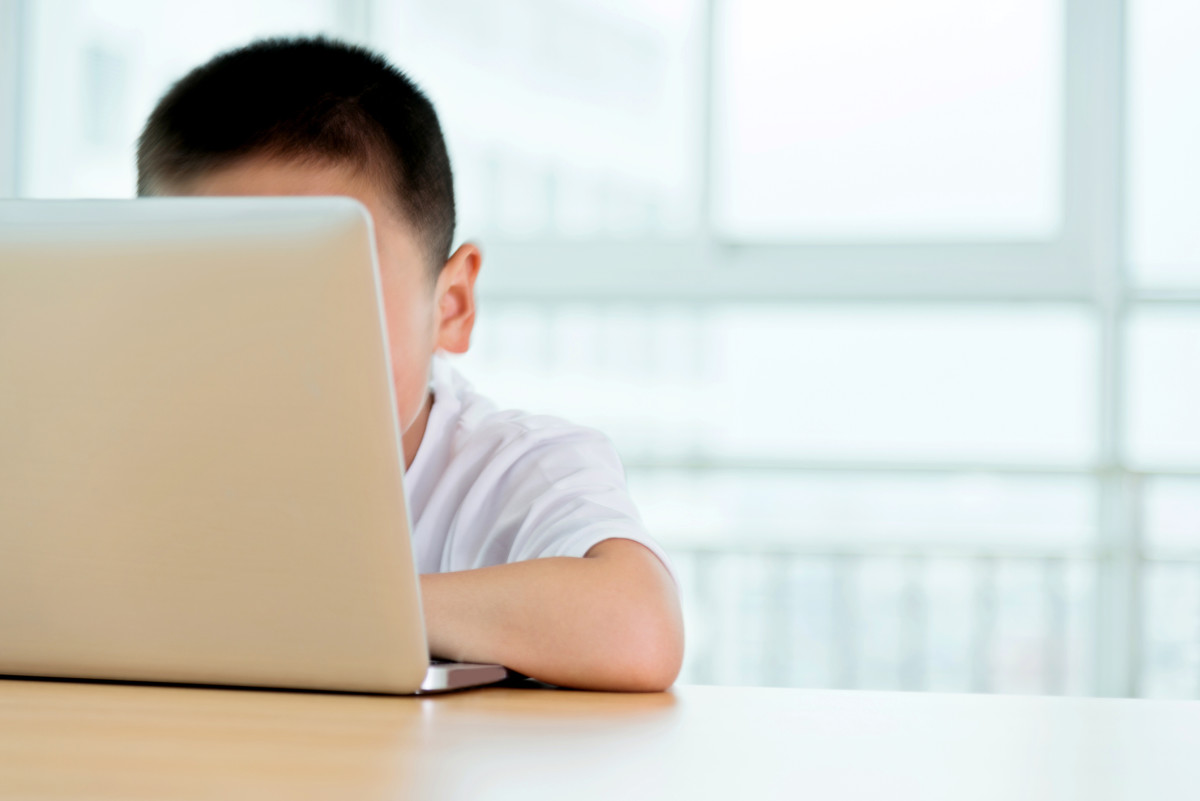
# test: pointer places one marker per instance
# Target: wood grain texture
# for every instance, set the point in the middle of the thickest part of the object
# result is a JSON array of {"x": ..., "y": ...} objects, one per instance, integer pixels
[{"x": 69, "y": 740}]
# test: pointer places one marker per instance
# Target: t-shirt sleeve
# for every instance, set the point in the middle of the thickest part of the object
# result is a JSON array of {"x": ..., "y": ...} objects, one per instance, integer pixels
[{"x": 556, "y": 491}]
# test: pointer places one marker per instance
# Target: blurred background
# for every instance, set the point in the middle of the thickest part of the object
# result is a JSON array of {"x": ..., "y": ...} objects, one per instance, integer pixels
[{"x": 892, "y": 309}]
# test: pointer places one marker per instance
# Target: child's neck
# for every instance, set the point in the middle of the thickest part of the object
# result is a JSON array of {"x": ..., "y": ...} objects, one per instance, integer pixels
[{"x": 411, "y": 440}]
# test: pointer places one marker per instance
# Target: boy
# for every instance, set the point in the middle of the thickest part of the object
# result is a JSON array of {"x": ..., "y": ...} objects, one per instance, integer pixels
[{"x": 531, "y": 553}]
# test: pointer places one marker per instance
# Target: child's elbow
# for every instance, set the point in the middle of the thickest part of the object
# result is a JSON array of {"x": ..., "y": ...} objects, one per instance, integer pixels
[
  {"x": 654, "y": 655},
  {"x": 657, "y": 676},
  {"x": 642, "y": 619}
]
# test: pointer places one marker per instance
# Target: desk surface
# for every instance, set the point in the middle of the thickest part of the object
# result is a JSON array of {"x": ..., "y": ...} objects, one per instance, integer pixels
[{"x": 67, "y": 740}]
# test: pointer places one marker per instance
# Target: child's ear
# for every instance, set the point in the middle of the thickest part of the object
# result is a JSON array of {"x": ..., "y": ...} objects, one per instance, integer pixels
[{"x": 455, "y": 298}]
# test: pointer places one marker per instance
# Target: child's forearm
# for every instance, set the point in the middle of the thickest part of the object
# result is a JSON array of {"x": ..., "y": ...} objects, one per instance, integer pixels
[{"x": 607, "y": 621}]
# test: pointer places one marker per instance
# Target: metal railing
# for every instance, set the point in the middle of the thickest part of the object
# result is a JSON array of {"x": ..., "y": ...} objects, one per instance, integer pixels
[{"x": 879, "y": 618}]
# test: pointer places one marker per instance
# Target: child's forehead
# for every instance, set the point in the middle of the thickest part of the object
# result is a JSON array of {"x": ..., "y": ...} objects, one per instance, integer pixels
[{"x": 272, "y": 176}]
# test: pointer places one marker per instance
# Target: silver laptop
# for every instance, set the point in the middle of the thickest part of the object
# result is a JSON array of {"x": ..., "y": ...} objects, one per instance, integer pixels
[{"x": 201, "y": 477}]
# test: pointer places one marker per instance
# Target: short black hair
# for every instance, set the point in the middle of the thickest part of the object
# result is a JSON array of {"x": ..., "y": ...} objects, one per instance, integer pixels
[{"x": 307, "y": 98}]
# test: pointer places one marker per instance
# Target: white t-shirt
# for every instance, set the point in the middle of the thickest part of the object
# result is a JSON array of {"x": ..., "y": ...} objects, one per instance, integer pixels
[{"x": 489, "y": 487}]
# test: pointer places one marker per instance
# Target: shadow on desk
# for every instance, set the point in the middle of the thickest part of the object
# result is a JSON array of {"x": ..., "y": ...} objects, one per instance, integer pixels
[
  {"x": 516, "y": 682},
  {"x": 513, "y": 682}
]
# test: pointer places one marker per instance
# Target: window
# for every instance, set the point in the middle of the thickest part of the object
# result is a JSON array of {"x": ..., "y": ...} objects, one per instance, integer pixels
[
  {"x": 891, "y": 309},
  {"x": 1164, "y": 126},
  {"x": 796, "y": 382},
  {"x": 95, "y": 68},
  {"x": 869, "y": 119},
  {"x": 1164, "y": 387},
  {"x": 565, "y": 119}
]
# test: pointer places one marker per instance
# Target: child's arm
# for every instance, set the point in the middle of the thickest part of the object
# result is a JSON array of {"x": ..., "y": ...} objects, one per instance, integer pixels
[{"x": 608, "y": 621}]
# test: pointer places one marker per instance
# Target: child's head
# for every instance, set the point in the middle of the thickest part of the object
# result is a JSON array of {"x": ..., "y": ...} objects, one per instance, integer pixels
[{"x": 316, "y": 117}]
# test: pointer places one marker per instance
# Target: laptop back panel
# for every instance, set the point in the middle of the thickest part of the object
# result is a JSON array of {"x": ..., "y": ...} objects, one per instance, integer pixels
[{"x": 200, "y": 465}]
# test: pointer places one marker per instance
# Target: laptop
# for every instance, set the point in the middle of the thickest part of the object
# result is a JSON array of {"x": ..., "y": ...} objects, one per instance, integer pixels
[{"x": 201, "y": 476}]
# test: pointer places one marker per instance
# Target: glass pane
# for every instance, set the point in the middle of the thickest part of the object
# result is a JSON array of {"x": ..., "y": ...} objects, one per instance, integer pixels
[
  {"x": 1172, "y": 514},
  {"x": 564, "y": 118},
  {"x": 98, "y": 66},
  {"x": 1164, "y": 126},
  {"x": 805, "y": 382},
  {"x": 872, "y": 118},
  {"x": 858, "y": 619},
  {"x": 1164, "y": 387},
  {"x": 1171, "y": 623},
  {"x": 815, "y": 510},
  {"x": 951, "y": 582}
]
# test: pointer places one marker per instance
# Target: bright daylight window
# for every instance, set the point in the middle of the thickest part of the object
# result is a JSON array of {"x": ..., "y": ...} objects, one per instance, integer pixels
[
  {"x": 891, "y": 309},
  {"x": 873, "y": 119}
]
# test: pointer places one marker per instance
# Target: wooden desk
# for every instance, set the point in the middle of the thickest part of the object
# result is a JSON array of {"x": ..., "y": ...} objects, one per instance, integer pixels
[{"x": 78, "y": 740}]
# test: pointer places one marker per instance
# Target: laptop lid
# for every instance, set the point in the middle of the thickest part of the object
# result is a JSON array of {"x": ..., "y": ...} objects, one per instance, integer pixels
[{"x": 200, "y": 462}]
